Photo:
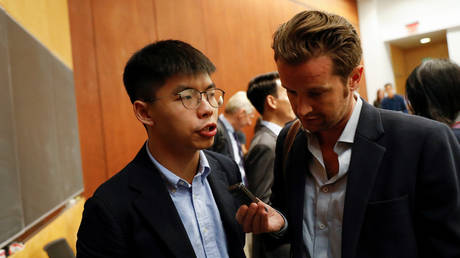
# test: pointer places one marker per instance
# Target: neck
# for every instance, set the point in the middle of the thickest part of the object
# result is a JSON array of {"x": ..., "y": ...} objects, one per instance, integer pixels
[
  {"x": 183, "y": 164},
  {"x": 329, "y": 137},
  {"x": 273, "y": 118}
]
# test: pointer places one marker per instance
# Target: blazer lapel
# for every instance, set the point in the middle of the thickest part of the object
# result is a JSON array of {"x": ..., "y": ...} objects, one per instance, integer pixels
[
  {"x": 226, "y": 205},
  {"x": 365, "y": 163},
  {"x": 155, "y": 205}
]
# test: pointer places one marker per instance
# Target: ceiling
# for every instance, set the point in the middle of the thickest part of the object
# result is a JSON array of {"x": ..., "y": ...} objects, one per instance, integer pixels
[{"x": 414, "y": 41}]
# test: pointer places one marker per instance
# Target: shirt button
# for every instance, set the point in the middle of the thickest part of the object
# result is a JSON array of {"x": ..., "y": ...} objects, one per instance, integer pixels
[
  {"x": 322, "y": 226},
  {"x": 325, "y": 189}
]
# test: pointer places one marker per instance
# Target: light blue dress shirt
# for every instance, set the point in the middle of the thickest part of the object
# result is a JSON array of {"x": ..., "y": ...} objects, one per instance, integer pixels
[
  {"x": 324, "y": 197},
  {"x": 197, "y": 209}
]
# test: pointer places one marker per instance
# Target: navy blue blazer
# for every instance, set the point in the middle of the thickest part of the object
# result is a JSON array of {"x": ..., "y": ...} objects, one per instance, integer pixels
[
  {"x": 133, "y": 215},
  {"x": 402, "y": 195}
]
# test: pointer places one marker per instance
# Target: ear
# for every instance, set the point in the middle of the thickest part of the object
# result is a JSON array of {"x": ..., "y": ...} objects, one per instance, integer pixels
[
  {"x": 355, "y": 77},
  {"x": 271, "y": 101},
  {"x": 141, "y": 110}
]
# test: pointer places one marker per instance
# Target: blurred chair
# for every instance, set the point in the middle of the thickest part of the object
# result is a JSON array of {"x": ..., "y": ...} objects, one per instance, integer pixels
[{"x": 59, "y": 248}]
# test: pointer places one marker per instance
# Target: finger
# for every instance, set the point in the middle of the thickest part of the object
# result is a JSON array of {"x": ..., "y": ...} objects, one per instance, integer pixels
[
  {"x": 265, "y": 221},
  {"x": 256, "y": 223},
  {"x": 257, "y": 226},
  {"x": 241, "y": 214},
  {"x": 248, "y": 220}
]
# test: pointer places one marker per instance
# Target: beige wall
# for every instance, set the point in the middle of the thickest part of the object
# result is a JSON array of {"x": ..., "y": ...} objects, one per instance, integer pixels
[
  {"x": 65, "y": 225},
  {"x": 405, "y": 60},
  {"x": 47, "y": 20}
]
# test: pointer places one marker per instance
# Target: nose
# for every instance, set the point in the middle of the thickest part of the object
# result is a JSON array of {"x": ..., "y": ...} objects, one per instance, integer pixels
[
  {"x": 302, "y": 107},
  {"x": 205, "y": 109}
]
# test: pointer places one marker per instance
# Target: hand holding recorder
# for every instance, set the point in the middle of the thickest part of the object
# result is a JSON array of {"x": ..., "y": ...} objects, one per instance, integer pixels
[{"x": 254, "y": 215}]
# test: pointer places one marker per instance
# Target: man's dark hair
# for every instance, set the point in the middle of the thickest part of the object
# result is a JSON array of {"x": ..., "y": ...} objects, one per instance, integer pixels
[
  {"x": 433, "y": 90},
  {"x": 311, "y": 34},
  {"x": 150, "y": 67},
  {"x": 260, "y": 87}
]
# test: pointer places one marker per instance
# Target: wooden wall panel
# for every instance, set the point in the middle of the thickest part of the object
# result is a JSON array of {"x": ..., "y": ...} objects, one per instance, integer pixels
[
  {"x": 181, "y": 20},
  {"x": 414, "y": 56},
  {"x": 399, "y": 68},
  {"x": 235, "y": 34},
  {"x": 87, "y": 94},
  {"x": 120, "y": 28},
  {"x": 239, "y": 35}
]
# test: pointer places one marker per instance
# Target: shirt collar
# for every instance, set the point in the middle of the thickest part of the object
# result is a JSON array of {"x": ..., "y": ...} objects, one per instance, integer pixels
[
  {"x": 348, "y": 134},
  {"x": 226, "y": 123},
  {"x": 172, "y": 179},
  {"x": 276, "y": 129}
]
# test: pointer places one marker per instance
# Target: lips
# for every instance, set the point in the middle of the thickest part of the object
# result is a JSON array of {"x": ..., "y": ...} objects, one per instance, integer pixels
[
  {"x": 311, "y": 118},
  {"x": 209, "y": 130}
]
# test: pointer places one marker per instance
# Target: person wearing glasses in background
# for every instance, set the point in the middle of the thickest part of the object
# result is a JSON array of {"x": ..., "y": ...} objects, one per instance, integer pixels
[{"x": 172, "y": 199}]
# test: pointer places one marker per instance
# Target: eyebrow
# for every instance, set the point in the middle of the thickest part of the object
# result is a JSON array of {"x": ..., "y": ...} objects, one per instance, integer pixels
[
  {"x": 180, "y": 88},
  {"x": 319, "y": 88},
  {"x": 314, "y": 88}
]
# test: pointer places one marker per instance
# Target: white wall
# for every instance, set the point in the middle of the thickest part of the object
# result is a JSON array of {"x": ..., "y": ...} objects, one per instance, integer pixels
[
  {"x": 453, "y": 44},
  {"x": 384, "y": 20},
  {"x": 376, "y": 57}
]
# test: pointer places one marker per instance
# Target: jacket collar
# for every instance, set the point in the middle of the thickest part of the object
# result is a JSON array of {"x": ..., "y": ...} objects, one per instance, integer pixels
[
  {"x": 156, "y": 206},
  {"x": 366, "y": 157},
  {"x": 367, "y": 154}
]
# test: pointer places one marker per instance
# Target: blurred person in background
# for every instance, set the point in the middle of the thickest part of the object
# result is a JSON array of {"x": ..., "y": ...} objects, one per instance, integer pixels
[
  {"x": 238, "y": 114},
  {"x": 272, "y": 103},
  {"x": 433, "y": 91},
  {"x": 379, "y": 98},
  {"x": 393, "y": 101}
]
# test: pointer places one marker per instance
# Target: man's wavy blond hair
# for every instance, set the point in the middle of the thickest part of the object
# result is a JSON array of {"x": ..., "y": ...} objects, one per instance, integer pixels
[{"x": 312, "y": 34}]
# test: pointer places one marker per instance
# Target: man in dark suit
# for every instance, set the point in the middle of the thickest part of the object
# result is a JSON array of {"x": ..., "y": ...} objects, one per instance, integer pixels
[
  {"x": 272, "y": 103},
  {"x": 359, "y": 181},
  {"x": 238, "y": 114},
  {"x": 172, "y": 199}
]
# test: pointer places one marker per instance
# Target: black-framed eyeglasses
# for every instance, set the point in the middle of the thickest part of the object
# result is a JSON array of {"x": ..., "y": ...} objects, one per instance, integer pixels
[{"x": 191, "y": 98}]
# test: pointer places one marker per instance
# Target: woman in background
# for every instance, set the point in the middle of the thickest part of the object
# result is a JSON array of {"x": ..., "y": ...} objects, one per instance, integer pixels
[
  {"x": 433, "y": 91},
  {"x": 378, "y": 100}
]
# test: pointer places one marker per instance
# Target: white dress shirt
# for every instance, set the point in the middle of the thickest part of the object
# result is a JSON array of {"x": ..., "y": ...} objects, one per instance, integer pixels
[{"x": 323, "y": 210}]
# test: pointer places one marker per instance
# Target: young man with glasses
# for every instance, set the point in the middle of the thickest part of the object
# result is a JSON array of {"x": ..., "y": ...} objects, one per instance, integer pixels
[{"x": 172, "y": 199}]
